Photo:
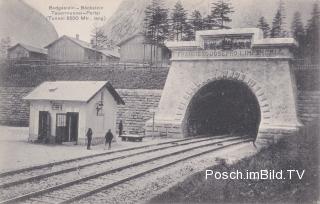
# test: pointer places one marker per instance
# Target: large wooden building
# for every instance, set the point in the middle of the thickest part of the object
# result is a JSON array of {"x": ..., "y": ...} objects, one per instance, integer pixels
[
  {"x": 62, "y": 111},
  {"x": 137, "y": 49},
  {"x": 22, "y": 51},
  {"x": 69, "y": 49}
]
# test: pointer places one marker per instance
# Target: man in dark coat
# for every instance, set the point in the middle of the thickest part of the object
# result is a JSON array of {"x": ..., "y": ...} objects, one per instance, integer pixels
[
  {"x": 120, "y": 128},
  {"x": 109, "y": 137},
  {"x": 89, "y": 137}
]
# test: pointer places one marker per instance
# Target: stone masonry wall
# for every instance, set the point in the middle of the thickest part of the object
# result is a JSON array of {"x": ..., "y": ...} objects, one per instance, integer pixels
[
  {"x": 308, "y": 106},
  {"x": 119, "y": 77},
  {"x": 15, "y": 111},
  {"x": 137, "y": 110}
]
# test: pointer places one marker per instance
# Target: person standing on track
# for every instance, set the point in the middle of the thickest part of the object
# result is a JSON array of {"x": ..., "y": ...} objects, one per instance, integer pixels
[
  {"x": 89, "y": 137},
  {"x": 120, "y": 128},
  {"x": 109, "y": 137}
]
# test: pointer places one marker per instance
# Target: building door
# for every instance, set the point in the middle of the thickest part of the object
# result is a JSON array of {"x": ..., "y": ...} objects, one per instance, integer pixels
[
  {"x": 72, "y": 126},
  {"x": 44, "y": 126},
  {"x": 61, "y": 128}
]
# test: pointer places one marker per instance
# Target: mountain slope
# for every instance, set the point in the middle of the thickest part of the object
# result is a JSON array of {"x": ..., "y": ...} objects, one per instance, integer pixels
[
  {"x": 128, "y": 19},
  {"x": 24, "y": 24}
]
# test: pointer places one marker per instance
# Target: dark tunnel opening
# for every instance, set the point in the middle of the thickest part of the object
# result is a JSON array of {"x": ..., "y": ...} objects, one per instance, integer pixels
[{"x": 223, "y": 107}]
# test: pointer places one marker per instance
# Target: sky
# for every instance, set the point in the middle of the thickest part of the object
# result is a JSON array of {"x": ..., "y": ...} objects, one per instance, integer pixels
[{"x": 73, "y": 27}]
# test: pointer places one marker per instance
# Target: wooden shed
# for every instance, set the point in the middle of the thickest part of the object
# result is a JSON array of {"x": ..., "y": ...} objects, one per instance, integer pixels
[
  {"x": 137, "y": 49},
  {"x": 62, "y": 111},
  {"x": 109, "y": 56},
  {"x": 69, "y": 49},
  {"x": 22, "y": 51}
]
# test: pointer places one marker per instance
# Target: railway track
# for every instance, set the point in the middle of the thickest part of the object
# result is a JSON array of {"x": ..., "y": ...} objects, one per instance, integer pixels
[
  {"x": 68, "y": 185},
  {"x": 15, "y": 172},
  {"x": 38, "y": 172}
]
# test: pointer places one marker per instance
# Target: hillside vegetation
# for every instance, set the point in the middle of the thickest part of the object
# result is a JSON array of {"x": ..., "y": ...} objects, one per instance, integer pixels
[{"x": 297, "y": 152}]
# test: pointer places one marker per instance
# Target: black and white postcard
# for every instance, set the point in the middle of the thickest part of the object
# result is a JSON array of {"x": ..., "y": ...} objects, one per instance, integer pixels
[{"x": 159, "y": 101}]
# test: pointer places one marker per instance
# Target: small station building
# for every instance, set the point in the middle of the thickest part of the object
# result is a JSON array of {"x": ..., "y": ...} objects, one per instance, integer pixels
[{"x": 62, "y": 111}]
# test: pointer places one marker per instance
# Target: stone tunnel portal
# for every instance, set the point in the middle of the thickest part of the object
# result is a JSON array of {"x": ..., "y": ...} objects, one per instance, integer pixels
[{"x": 223, "y": 107}]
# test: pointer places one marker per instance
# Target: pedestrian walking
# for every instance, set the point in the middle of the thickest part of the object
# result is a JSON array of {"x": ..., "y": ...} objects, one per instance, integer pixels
[
  {"x": 109, "y": 137},
  {"x": 120, "y": 128},
  {"x": 89, "y": 138}
]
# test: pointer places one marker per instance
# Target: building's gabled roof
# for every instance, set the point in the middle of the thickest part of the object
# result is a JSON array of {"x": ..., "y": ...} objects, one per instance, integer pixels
[
  {"x": 86, "y": 45},
  {"x": 30, "y": 48},
  {"x": 75, "y": 40},
  {"x": 129, "y": 38},
  {"x": 110, "y": 53},
  {"x": 81, "y": 91},
  {"x": 82, "y": 43}
]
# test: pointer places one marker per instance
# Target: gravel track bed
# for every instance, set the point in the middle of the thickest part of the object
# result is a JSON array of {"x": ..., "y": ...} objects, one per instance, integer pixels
[
  {"x": 142, "y": 189},
  {"x": 36, "y": 172},
  {"x": 85, "y": 186},
  {"x": 59, "y": 167},
  {"x": 14, "y": 191}
]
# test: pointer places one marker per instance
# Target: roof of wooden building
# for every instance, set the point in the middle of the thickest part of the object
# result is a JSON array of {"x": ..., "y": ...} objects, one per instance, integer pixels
[
  {"x": 85, "y": 45},
  {"x": 79, "y": 42},
  {"x": 131, "y": 37},
  {"x": 30, "y": 48},
  {"x": 80, "y": 91},
  {"x": 110, "y": 53}
]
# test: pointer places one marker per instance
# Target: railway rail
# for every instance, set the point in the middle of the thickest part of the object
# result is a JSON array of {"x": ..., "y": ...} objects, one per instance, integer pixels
[
  {"x": 2, "y": 174},
  {"x": 66, "y": 185},
  {"x": 42, "y": 171}
]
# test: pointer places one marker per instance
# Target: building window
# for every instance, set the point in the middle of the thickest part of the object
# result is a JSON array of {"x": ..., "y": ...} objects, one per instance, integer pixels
[
  {"x": 61, "y": 120},
  {"x": 56, "y": 106}
]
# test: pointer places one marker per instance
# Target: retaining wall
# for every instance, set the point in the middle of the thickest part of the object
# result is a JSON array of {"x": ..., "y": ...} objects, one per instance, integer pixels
[
  {"x": 120, "y": 77},
  {"x": 15, "y": 111},
  {"x": 139, "y": 86},
  {"x": 138, "y": 108}
]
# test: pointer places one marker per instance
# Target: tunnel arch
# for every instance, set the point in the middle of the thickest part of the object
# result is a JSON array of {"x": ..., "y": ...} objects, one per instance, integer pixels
[{"x": 223, "y": 106}]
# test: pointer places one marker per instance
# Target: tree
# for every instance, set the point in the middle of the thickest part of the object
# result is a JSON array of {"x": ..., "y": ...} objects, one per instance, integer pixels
[
  {"x": 188, "y": 32},
  {"x": 264, "y": 26},
  {"x": 208, "y": 23},
  {"x": 5, "y": 44},
  {"x": 99, "y": 40},
  {"x": 220, "y": 12},
  {"x": 297, "y": 28},
  {"x": 196, "y": 22},
  {"x": 298, "y": 33},
  {"x": 156, "y": 26},
  {"x": 312, "y": 36},
  {"x": 156, "y": 22},
  {"x": 180, "y": 30},
  {"x": 278, "y": 22}
]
